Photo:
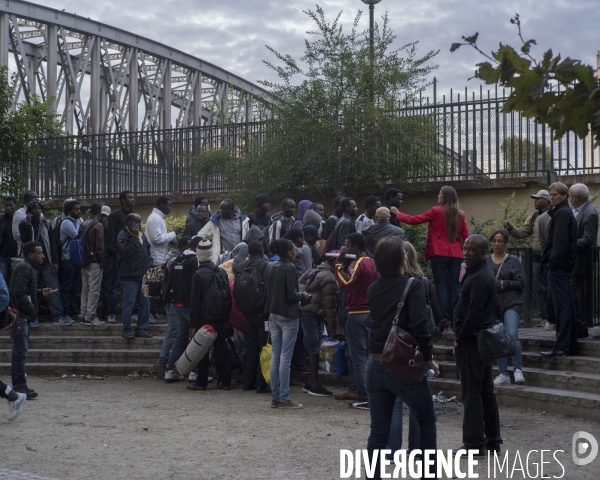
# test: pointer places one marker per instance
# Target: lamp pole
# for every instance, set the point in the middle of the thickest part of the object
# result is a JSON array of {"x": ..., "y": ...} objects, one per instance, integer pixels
[{"x": 371, "y": 4}]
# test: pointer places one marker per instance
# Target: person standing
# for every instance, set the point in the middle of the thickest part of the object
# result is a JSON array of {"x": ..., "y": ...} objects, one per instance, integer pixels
[
  {"x": 393, "y": 199},
  {"x": 8, "y": 244},
  {"x": 445, "y": 236},
  {"x": 135, "y": 260},
  {"x": 537, "y": 225},
  {"x": 282, "y": 221},
  {"x": 474, "y": 310},
  {"x": 91, "y": 274},
  {"x": 558, "y": 260},
  {"x": 333, "y": 218},
  {"x": 36, "y": 228},
  {"x": 156, "y": 231},
  {"x": 19, "y": 216},
  {"x": 366, "y": 219},
  {"x": 303, "y": 207},
  {"x": 116, "y": 223},
  {"x": 200, "y": 200},
  {"x": 355, "y": 276},
  {"x": 311, "y": 236},
  {"x": 194, "y": 225},
  {"x": 587, "y": 236},
  {"x": 24, "y": 287},
  {"x": 510, "y": 283},
  {"x": 70, "y": 275},
  {"x": 345, "y": 225},
  {"x": 226, "y": 229},
  {"x": 382, "y": 228}
]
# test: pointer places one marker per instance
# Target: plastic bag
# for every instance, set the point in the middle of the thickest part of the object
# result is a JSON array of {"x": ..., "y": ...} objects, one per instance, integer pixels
[
  {"x": 327, "y": 355},
  {"x": 265, "y": 362}
]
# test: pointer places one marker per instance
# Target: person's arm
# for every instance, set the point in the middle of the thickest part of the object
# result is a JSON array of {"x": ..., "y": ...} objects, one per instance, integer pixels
[
  {"x": 345, "y": 277},
  {"x": 478, "y": 297},
  {"x": 207, "y": 231},
  {"x": 515, "y": 276},
  {"x": 292, "y": 293},
  {"x": 21, "y": 292},
  {"x": 590, "y": 232},
  {"x": 425, "y": 217},
  {"x": 99, "y": 235},
  {"x": 523, "y": 231},
  {"x": 68, "y": 228},
  {"x": 18, "y": 217},
  {"x": 416, "y": 305},
  {"x": 543, "y": 228},
  {"x": 154, "y": 232},
  {"x": 25, "y": 232},
  {"x": 128, "y": 248}
]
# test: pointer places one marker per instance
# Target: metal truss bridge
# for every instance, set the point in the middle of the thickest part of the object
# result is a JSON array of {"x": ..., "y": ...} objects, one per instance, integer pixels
[{"x": 107, "y": 80}]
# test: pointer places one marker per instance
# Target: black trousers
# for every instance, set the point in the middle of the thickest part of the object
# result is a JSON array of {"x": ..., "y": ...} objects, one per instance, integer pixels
[
  {"x": 257, "y": 337},
  {"x": 220, "y": 355},
  {"x": 3, "y": 390},
  {"x": 481, "y": 421},
  {"x": 578, "y": 292}
]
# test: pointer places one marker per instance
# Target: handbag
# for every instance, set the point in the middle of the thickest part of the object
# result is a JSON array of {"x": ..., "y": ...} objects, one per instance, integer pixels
[
  {"x": 401, "y": 353},
  {"x": 494, "y": 342}
]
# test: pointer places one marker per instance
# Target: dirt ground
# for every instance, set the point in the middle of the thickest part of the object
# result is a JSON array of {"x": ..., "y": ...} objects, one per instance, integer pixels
[{"x": 145, "y": 429}]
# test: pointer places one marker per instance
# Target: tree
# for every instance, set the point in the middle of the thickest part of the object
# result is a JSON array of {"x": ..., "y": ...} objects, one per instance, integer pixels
[
  {"x": 563, "y": 94},
  {"x": 325, "y": 134},
  {"x": 524, "y": 156},
  {"x": 18, "y": 129}
]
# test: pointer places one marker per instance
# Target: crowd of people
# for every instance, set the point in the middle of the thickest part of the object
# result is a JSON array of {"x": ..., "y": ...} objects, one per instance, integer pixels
[{"x": 290, "y": 281}]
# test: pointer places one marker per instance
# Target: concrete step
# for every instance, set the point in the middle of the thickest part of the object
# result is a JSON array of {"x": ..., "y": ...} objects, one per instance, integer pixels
[
  {"x": 77, "y": 329},
  {"x": 86, "y": 356},
  {"x": 577, "y": 363},
  {"x": 562, "y": 402},
  {"x": 94, "y": 342},
  {"x": 60, "y": 368}
]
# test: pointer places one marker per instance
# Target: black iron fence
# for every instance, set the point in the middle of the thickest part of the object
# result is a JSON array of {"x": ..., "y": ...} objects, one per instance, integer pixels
[{"x": 475, "y": 141}]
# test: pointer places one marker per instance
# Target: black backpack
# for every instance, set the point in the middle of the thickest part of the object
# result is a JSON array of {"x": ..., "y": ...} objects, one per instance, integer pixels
[
  {"x": 249, "y": 291},
  {"x": 217, "y": 299}
]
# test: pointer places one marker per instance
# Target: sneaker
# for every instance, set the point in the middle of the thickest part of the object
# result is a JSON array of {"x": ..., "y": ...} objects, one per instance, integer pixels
[
  {"x": 172, "y": 376},
  {"x": 306, "y": 388},
  {"x": 15, "y": 408},
  {"x": 143, "y": 334},
  {"x": 290, "y": 405},
  {"x": 160, "y": 370},
  {"x": 96, "y": 322},
  {"x": 519, "y": 378},
  {"x": 274, "y": 403},
  {"x": 542, "y": 323},
  {"x": 112, "y": 318},
  {"x": 347, "y": 395},
  {"x": 153, "y": 320},
  {"x": 62, "y": 321},
  {"x": 262, "y": 389},
  {"x": 210, "y": 379},
  {"x": 359, "y": 405},
  {"x": 224, "y": 386},
  {"x": 192, "y": 377},
  {"x": 550, "y": 326},
  {"x": 84, "y": 321},
  {"x": 502, "y": 379},
  {"x": 134, "y": 318},
  {"x": 195, "y": 386},
  {"x": 69, "y": 320},
  {"x": 31, "y": 394},
  {"x": 35, "y": 323},
  {"x": 478, "y": 452},
  {"x": 319, "y": 391}
]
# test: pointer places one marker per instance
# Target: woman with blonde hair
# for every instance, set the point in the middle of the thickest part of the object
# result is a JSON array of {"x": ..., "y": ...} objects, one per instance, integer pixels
[{"x": 445, "y": 237}]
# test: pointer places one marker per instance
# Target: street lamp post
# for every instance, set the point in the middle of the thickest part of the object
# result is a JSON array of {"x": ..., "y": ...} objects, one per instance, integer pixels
[{"x": 371, "y": 4}]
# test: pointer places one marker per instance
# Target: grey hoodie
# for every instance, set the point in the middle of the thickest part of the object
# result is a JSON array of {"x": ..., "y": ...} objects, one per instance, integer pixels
[
  {"x": 240, "y": 252},
  {"x": 231, "y": 231}
]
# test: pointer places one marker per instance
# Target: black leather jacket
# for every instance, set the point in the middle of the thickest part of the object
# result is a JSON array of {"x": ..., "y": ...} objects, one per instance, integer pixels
[{"x": 374, "y": 233}]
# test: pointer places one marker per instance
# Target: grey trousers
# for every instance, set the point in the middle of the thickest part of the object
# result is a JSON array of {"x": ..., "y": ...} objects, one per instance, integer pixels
[{"x": 91, "y": 280}]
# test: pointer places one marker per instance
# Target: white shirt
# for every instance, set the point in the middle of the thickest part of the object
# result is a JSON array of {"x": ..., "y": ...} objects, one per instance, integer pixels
[{"x": 157, "y": 236}]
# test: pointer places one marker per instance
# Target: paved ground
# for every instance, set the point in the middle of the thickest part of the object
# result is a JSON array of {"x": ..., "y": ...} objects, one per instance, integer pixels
[
  {"x": 145, "y": 429},
  {"x": 8, "y": 474}
]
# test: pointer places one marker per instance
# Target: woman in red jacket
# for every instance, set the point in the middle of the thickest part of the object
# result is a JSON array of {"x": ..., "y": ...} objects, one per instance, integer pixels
[{"x": 444, "y": 250}]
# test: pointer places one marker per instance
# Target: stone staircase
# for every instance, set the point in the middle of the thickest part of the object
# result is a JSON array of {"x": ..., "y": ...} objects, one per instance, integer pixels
[
  {"x": 563, "y": 385},
  {"x": 82, "y": 349}
]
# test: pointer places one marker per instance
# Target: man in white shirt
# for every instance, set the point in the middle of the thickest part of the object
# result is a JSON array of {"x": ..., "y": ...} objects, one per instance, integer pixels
[
  {"x": 20, "y": 215},
  {"x": 156, "y": 231},
  {"x": 365, "y": 220}
]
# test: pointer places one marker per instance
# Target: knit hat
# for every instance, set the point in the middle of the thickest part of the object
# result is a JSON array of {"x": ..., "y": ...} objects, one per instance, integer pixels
[
  {"x": 204, "y": 251},
  {"x": 262, "y": 198},
  {"x": 382, "y": 213}
]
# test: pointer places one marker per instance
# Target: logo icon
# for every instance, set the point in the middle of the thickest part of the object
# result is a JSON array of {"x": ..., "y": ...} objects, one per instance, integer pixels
[{"x": 585, "y": 448}]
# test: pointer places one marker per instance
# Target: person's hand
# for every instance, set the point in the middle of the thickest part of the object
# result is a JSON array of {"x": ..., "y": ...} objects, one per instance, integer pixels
[
  {"x": 192, "y": 332},
  {"x": 46, "y": 292},
  {"x": 28, "y": 218},
  {"x": 508, "y": 225},
  {"x": 179, "y": 230},
  {"x": 342, "y": 256},
  {"x": 394, "y": 211},
  {"x": 444, "y": 324},
  {"x": 431, "y": 365},
  {"x": 55, "y": 269}
]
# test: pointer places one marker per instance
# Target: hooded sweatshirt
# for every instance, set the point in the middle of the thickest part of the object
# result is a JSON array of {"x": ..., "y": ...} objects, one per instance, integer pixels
[
  {"x": 223, "y": 233},
  {"x": 240, "y": 252},
  {"x": 303, "y": 207},
  {"x": 312, "y": 218}
]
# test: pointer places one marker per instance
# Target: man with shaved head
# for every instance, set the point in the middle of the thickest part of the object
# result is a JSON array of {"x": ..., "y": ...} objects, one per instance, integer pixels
[
  {"x": 474, "y": 310},
  {"x": 381, "y": 228}
]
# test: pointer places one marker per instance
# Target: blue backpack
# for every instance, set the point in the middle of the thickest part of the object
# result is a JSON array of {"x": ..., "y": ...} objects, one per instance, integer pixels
[{"x": 79, "y": 251}]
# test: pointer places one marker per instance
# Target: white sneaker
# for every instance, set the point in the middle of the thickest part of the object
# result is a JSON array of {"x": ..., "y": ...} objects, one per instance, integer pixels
[
  {"x": 550, "y": 326},
  {"x": 112, "y": 318},
  {"x": 519, "y": 378},
  {"x": 172, "y": 376},
  {"x": 192, "y": 377},
  {"x": 134, "y": 318},
  {"x": 15, "y": 408},
  {"x": 69, "y": 319},
  {"x": 96, "y": 322},
  {"x": 502, "y": 379}
]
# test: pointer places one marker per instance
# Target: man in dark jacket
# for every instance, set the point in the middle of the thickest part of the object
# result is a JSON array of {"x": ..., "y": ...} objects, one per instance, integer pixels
[
  {"x": 8, "y": 244},
  {"x": 345, "y": 225},
  {"x": 393, "y": 198},
  {"x": 197, "y": 223},
  {"x": 332, "y": 220},
  {"x": 36, "y": 228},
  {"x": 200, "y": 315},
  {"x": 24, "y": 287},
  {"x": 586, "y": 217},
  {"x": 558, "y": 261},
  {"x": 134, "y": 251},
  {"x": 255, "y": 318},
  {"x": 116, "y": 223},
  {"x": 382, "y": 228},
  {"x": 200, "y": 200},
  {"x": 476, "y": 309}
]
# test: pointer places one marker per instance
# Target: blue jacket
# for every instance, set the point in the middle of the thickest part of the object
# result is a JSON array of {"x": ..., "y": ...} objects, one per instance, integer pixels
[{"x": 135, "y": 258}]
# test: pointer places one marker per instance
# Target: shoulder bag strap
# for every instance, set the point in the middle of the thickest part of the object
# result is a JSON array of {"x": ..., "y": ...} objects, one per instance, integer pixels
[
  {"x": 500, "y": 267},
  {"x": 402, "y": 300}
]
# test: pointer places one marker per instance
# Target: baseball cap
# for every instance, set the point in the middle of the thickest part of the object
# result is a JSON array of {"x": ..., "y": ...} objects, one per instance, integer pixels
[
  {"x": 542, "y": 194},
  {"x": 105, "y": 210},
  {"x": 311, "y": 230}
]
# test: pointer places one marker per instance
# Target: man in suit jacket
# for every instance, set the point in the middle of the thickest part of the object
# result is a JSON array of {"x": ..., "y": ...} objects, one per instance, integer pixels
[{"x": 587, "y": 235}]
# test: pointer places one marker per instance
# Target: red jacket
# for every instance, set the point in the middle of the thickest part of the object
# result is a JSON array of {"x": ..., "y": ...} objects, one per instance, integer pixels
[
  {"x": 438, "y": 242},
  {"x": 356, "y": 278}
]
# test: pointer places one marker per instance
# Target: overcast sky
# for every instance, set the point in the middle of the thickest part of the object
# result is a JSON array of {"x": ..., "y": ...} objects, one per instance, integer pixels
[{"x": 233, "y": 33}]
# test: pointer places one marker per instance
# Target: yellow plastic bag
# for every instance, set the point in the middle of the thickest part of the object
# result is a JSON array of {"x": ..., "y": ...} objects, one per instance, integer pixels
[{"x": 265, "y": 362}]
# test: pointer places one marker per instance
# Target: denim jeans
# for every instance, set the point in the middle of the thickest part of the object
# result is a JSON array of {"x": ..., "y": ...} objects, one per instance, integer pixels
[
  {"x": 19, "y": 333},
  {"x": 511, "y": 324},
  {"x": 182, "y": 334},
  {"x": 113, "y": 283},
  {"x": 446, "y": 272},
  {"x": 171, "y": 335},
  {"x": 70, "y": 279},
  {"x": 541, "y": 287},
  {"x": 313, "y": 328},
  {"x": 395, "y": 440},
  {"x": 559, "y": 289},
  {"x": 283, "y": 337},
  {"x": 132, "y": 294},
  {"x": 384, "y": 387},
  {"x": 48, "y": 279},
  {"x": 358, "y": 328},
  {"x": 5, "y": 268}
]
